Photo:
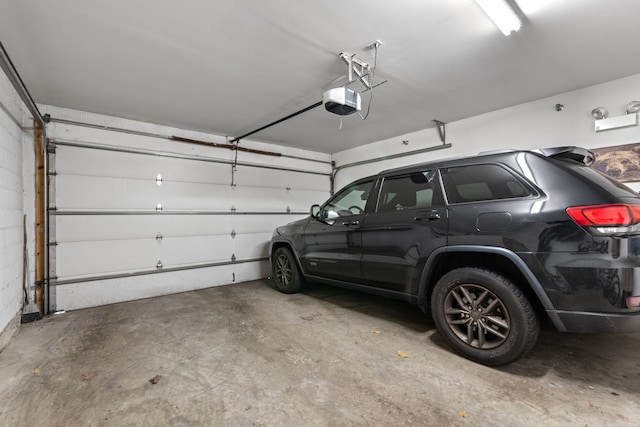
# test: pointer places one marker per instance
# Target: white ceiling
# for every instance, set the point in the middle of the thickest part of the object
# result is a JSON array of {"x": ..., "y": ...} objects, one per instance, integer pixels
[{"x": 230, "y": 66}]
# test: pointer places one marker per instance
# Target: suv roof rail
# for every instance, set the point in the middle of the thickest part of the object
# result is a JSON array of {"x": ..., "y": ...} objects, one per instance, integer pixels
[
  {"x": 578, "y": 154},
  {"x": 483, "y": 153}
]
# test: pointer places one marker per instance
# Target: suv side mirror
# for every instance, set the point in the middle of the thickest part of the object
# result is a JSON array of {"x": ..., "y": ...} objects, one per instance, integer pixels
[{"x": 325, "y": 216}]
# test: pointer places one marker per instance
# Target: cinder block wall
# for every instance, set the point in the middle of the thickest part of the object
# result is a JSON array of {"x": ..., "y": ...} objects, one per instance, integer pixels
[{"x": 11, "y": 209}]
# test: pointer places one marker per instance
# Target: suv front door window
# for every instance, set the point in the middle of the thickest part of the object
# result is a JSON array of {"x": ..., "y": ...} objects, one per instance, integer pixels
[{"x": 348, "y": 202}]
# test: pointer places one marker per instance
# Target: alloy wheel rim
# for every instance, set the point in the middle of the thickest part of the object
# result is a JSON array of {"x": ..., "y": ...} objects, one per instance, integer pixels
[
  {"x": 477, "y": 316},
  {"x": 283, "y": 270}
]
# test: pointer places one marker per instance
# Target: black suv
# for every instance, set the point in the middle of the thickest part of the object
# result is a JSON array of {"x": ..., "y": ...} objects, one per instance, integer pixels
[{"x": 489, "y": 244}]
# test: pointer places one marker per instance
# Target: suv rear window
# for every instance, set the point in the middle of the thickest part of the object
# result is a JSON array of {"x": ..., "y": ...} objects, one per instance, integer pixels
[{"x": 475, "y": 183}]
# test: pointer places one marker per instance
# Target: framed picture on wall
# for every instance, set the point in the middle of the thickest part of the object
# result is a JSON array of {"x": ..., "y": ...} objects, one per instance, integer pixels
[{"x": 621, "y": 162}]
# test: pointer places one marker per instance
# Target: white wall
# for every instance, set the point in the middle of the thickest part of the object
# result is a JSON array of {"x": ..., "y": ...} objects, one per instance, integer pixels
[
  {"x": 16, "y": 148},
  {"x": 532, "y": 125}
]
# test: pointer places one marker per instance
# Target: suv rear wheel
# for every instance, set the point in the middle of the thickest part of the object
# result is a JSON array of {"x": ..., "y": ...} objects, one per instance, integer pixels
[
  {"x": 484, "y": 316},
  {"x": 285, "y": 272}
]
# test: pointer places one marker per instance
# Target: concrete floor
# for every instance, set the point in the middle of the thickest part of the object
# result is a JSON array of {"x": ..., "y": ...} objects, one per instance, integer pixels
[{"x": 246, "y": 355}]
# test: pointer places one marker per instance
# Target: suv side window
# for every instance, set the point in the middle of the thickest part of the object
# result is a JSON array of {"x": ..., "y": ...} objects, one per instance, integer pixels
[
  {"x": 350, "y": 201},
  {"x": 413, "y": 191},
  {"x": 475, "y": 183}
]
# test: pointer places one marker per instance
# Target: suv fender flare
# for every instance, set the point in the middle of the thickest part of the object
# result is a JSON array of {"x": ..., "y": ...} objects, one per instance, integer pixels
[
  {"x": 536, "y": 286},
  {"x": 288, "y": 244}
]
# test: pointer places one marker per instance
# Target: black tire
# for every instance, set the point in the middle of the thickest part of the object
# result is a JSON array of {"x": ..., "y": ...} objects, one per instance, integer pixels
[
  {"x": 286, "y": 273},
  {"x": 484, "y": 316}
]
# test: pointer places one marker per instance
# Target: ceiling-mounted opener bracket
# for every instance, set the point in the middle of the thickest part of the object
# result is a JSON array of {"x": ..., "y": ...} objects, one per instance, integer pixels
[
  {"x": 360, "y": 69},
  {"x": 442, "y": 130}
]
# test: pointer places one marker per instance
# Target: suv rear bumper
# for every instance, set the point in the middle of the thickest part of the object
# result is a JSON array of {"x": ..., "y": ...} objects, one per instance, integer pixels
[{"x": 585, "y": 322}]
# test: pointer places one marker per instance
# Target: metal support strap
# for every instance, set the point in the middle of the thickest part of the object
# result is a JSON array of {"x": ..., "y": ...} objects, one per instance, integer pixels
[{"x": 442, "y": 130}]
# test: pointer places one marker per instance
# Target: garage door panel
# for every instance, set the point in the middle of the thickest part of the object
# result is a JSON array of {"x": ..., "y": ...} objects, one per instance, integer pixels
[
  {"x": 79, "y": 228},
  {"x": 75, "y": 296},
  {"x": 195, "y": 250},
  {"x": 302, "y": 201},
  {"x": 275, "y": 200},
  {"x": 267, "y": 199},
  {"x": 273, "y": 178},
  {"x": 186, "y": 170},
  {"x": 74, "y": 228},
  {"x": 254, "y": 245},
  {"x": 117, "y": 256},
  {"x": 316, "y": 163},
  {"x": 195, "y": 196},
  {"x": 104, "y": 257},
  {"x": 76, "y": 192},
  {"x": 243, "y": 224},
  {"x": 88, "y": 162},
  {"x": 104, "y": 163},
  {"x": 105, "y": 193}
]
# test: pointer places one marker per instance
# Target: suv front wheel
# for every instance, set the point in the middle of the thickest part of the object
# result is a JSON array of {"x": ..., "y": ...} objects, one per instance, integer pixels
[
  {"x": 285, "y": 272},
  {"x": 484, "y": 316}
]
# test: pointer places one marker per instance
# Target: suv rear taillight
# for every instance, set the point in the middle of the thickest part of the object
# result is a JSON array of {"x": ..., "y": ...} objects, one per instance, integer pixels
[{"x": 618, "y": 215}]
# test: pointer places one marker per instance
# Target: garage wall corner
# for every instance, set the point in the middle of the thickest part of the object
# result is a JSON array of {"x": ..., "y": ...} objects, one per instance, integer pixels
[{"x": 14, "y": 142}]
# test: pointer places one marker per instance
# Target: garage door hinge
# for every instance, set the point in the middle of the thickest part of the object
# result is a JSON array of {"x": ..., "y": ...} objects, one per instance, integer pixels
[
  {"x": 233, "y": 208},
  {"x": 233, "y": 234},
  {"x": 288, "y": 209},
  {"x": 234, "y": 169},
  {"x": 52, "y": 173},
  {"x": 233, "y": 258},
  {"x": 51, "y": 148},
  {"x": 53, "y": 243},
  {"x": 159, "y": 237},
  {"x": 159, "y": 207},
  {"x": 159, "y": 265},
  {"x": 52, "y": 208}
]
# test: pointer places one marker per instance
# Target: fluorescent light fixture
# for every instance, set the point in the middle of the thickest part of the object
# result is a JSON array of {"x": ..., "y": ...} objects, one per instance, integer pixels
[
  {"x": 501, "y": 14},
  {"x": 623, "y": 121}
]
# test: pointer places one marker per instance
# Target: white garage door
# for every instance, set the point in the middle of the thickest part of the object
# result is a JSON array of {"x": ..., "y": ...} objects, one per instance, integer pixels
[{"x": 121, "y": 212}]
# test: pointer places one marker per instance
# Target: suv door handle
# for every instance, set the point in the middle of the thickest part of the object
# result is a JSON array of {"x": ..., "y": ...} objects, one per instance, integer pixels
[
  {"x": 354, "y": 222},
  {"x": 429, "y": 216}
]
